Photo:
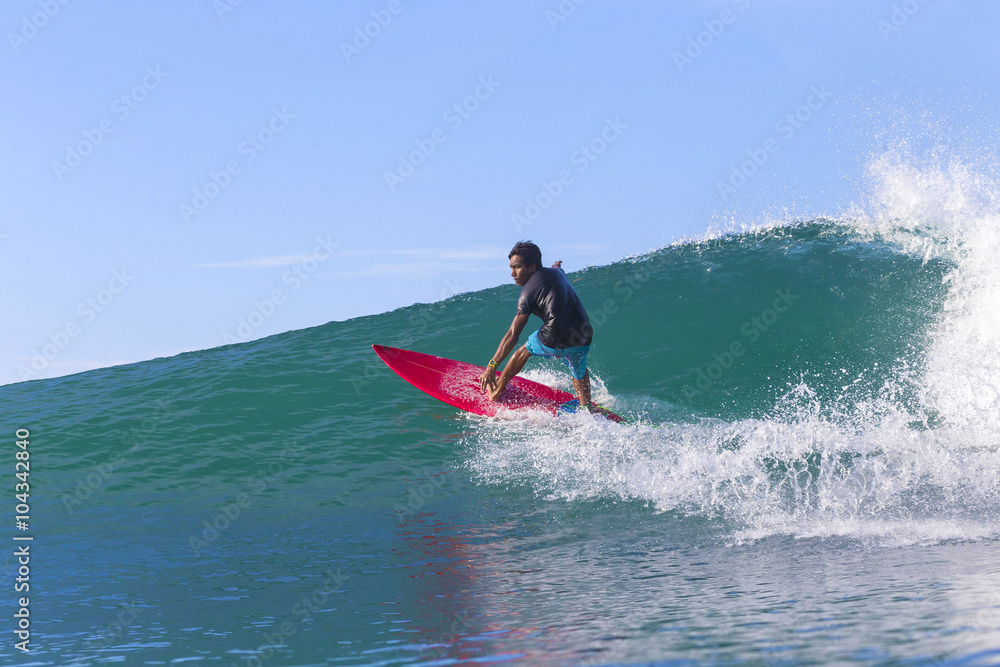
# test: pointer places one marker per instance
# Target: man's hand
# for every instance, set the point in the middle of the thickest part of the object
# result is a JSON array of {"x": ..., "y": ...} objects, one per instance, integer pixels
[
  {"x": 493, "y": 393},
  {"x": 488, "y": 379}
]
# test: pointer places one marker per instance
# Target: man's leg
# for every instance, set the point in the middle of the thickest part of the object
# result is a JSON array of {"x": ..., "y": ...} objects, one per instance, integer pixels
[
  {"x": 512, "y": 368},
  {"x": 583, "y": 390}
]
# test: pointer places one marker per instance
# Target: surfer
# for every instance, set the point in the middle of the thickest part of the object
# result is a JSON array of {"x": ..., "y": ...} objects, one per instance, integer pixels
[{"x": 565, "y": 333}]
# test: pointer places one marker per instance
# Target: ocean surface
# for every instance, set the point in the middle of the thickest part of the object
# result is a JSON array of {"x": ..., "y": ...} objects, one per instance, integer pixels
[{"x": 811, "y": 474}]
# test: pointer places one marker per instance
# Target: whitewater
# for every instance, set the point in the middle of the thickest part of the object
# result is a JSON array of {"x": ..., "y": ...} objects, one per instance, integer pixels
[{"x": 811, "y": 474}]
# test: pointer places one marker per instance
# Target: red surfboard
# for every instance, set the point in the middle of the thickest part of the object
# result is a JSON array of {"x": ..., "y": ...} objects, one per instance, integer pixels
[{"x": 457, "y": 383}]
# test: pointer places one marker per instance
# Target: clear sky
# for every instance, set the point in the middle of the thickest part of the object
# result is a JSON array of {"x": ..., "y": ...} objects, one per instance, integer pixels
[{"x": 179, "y": 175}]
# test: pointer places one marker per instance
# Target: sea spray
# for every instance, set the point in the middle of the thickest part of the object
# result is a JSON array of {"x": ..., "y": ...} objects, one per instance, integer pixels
[{"x": 850, "y": 420}]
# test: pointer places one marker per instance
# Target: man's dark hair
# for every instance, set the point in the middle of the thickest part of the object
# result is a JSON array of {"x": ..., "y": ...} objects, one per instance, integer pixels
[{"x": 529, "y": 253}]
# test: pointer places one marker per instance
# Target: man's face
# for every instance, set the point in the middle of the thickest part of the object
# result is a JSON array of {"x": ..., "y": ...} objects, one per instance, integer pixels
[{"x": 519, "y": 272}]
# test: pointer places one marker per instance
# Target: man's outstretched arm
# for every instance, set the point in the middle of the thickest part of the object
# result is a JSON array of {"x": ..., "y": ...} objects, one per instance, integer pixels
[{"x": 507, "y": 343}]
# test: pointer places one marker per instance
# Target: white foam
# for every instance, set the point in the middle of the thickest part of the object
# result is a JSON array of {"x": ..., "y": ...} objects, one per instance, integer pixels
[
  {"x": 954, "y": 212},
  {"x": 812, "y": 477},
  {"x": 875, "y": 470}
]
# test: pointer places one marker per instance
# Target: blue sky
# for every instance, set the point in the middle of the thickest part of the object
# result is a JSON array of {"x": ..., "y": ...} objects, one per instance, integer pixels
[{"x": 182, "y": 175}]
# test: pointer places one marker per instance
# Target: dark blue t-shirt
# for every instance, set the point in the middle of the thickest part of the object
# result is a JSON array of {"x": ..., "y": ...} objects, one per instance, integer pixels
[{"x": 549, "y": 295}]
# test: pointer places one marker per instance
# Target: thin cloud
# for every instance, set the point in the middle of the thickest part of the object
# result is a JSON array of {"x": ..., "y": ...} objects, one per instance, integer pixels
[
  {"x": 581, "y": 248},
  {"x": 260, "y": 262},
  {"x": 432, "y": 255},
  {"x": 409, "y": 270},
  {"x": 479, "y": 252},
  {"x": 430, "y": 259}
]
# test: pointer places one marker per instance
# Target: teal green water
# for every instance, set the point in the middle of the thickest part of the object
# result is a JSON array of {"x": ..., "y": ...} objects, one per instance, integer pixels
[{"x": 811, "y": 477}]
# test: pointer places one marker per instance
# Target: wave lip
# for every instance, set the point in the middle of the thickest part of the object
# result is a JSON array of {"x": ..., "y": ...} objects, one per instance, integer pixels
[{"x": 868, "y": 409}]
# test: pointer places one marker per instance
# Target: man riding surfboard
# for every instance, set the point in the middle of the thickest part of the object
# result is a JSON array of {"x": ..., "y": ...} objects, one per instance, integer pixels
[{"x": 565, "y": 333}]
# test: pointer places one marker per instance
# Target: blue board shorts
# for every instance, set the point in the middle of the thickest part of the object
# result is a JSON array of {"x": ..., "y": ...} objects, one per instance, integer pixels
[{"x": 575, "y": 357}]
